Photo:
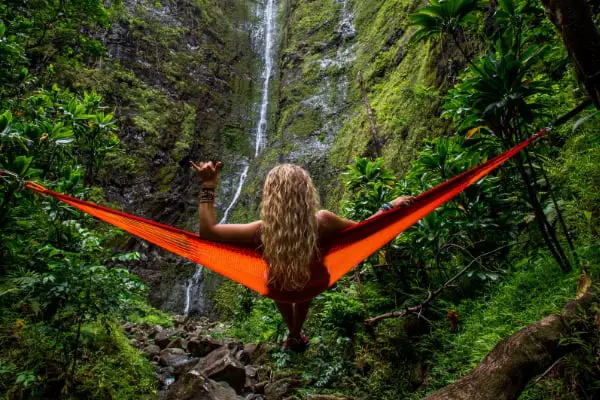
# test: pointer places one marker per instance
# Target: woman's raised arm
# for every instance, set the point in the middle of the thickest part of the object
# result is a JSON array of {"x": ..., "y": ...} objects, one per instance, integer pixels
[
  {"x": 330, "y": 223},
  {"x": 209, "y": 229}
]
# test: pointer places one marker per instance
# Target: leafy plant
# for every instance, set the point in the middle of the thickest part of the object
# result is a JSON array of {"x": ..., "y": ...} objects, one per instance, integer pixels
[{"x": 441, "y": 19}]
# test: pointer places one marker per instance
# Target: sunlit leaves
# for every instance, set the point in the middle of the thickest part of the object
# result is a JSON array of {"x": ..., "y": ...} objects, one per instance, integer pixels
[{"x": 442, "y": 17}]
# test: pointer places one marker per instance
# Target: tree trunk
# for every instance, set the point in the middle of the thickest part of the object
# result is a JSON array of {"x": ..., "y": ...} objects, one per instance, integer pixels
[
  {"x": 512, "y": 363},
  {"x": 573, "y": 19},
  {"x": 545, "y": 228}
]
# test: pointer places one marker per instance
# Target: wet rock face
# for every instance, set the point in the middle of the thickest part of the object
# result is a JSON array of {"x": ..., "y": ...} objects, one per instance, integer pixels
[{"x": 177, "y": 80}]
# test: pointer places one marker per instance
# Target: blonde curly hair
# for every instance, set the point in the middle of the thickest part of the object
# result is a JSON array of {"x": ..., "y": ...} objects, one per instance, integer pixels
[{"x": 289, "y": 231}]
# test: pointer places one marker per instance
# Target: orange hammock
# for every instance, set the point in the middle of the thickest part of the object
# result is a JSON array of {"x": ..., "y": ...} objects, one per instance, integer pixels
[{"x": 246, "y": 266}]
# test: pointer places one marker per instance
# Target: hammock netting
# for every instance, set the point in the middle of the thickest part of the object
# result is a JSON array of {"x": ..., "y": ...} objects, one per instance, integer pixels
[{"x": 246, "y": 265}]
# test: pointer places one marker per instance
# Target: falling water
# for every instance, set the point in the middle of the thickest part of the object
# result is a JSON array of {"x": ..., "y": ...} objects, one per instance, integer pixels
[
  {"x": 266, "y": 75},
  {"x": 195, "y": 283},
  {"x": 238, "y": 191}
]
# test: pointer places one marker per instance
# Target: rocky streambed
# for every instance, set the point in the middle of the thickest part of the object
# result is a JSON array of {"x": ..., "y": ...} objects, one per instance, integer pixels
[{"x": 192, "y": 365}]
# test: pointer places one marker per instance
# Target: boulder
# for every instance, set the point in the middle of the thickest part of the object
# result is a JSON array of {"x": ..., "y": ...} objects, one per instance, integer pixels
[
  {"x": 155, "y": 330},
  {"x": 263, "y": 373},
  {"x": 259, "y": 387},
  {"x": 242, "y": 356},
  {"x": 184, "y": 366},
  {"x": 281, "y": 387},
  {"x": 151, "y": 351},
  {"x": 201, "y": 347},
  {"x": 164, "y": 337},
  {"x": 194, "y": 386},
  {"x": 178, "y": 360},
  {"x": 256, "y": 352},
  {"x": 180, "y": 319},
  {"x": 250, "y": 371},
  {"x": 221, "y": 366},
  {"x": 177, "y": 343},
  {"x": 174, "y": 356}
]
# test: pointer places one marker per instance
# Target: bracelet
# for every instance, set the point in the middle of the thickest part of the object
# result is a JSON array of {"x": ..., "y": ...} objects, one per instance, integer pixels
[
  {"x": 386, "y": 207},
  {"x": 207, "y": 195}
]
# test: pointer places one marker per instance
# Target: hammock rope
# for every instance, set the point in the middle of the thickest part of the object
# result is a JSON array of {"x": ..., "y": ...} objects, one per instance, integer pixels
[{"x": 246, "y": 266}]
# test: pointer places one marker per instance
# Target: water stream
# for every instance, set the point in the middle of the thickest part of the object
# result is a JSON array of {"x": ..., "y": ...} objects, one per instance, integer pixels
[{"x": 194, "y": 287}]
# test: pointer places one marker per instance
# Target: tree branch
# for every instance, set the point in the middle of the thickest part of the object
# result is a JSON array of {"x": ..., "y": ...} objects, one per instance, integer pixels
[
  {"x": 512, "y": 363},
  {"x": 432, "y": 295}
]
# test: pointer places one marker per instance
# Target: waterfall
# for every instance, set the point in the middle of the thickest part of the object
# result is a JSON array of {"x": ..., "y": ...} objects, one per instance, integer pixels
[
  {"x": 190, "y": 285},
  {"x": 266, "y": 75},
  {"x": 195, "y": 283},
  {"x": 238, "y": 191}
]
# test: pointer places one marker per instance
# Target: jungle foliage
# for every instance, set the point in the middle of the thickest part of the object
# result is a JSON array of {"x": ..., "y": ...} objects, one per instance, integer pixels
[
  {"x": 62, "y": 287},
  {"x": 512, "y": 244}
]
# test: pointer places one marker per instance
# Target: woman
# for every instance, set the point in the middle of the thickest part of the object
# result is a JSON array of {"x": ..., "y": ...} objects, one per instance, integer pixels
[{"x": 290, "y": 231}]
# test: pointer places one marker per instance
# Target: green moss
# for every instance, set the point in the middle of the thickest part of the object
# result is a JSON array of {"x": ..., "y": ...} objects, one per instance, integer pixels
[
  {"x": 188, "y": 127},
  {"x": 145, "y": 313},
  {"x": 115, "y": 369},
  {"x": 535, "y": 288}
]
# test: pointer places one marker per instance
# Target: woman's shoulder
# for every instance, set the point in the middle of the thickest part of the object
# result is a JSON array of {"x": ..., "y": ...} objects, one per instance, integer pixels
[
  {"x": 331, "y": 222},
  {"x": 325, "y": 215}
]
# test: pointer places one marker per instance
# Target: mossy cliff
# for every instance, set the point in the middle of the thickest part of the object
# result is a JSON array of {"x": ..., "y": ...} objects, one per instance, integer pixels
[
  {"x": 319, "y": 118},
  {"x": 181, "y": 75},
  {"x": 184, "y": 78}
]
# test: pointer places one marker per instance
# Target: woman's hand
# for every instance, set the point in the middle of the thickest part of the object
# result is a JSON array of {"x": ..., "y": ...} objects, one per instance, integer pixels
[
  {"x": 402, "y": 201},
  {"x": 208, "y": 172}
]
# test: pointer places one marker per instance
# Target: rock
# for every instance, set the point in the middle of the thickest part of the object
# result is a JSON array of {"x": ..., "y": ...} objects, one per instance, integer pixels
[
  {"x": 233, "y": 346},
  {"x": 254, "y": 396},
  {"x": 185, "y": 366},
  {"x": 128, "y": 326},
  {"x": 155, "y": 330},
  {"x": 251, "y": 381},
  {"x": 281, "y": 388},
  {"x": 260, "y": 387},
  {"x": 169, "y": 357},
  {"x": 164, "y": 337},
  {"x": 194, "y": 386},
  {"x": 220, "y": 365},
  {"x": 177, "y": 343},
  {"x": 151, "y": 351},
  {"x": 201, "y": 347},
  {"x": 242, "y": 356},
  {"x": 250, "y": 371},
  {"x": 177, "y": 360},
  {"x": 180, "y": 319},
  {"x": 257, "y": 352},
  {"x": 263, "y": 373}
]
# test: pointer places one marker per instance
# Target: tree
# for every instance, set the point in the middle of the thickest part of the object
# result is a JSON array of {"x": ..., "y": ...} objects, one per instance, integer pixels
[
  {"x": 513, "y": 362},
  {"x": 573, "y": 19}
]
